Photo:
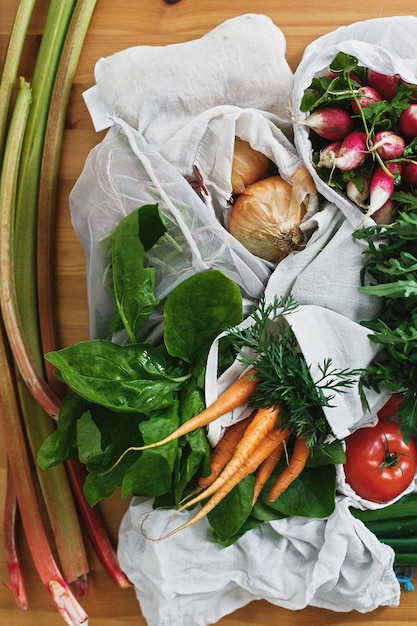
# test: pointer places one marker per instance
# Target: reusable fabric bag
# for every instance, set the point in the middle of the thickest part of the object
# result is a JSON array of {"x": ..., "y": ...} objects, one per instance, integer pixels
[
  {"x": 167, "y": 138},
  {"x": 386, "y": 45}
]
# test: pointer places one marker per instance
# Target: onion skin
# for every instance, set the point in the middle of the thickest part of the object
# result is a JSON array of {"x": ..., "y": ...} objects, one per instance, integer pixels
[
  {"x": 248, "y": 166},
  {"x": 266, "y": 217}
]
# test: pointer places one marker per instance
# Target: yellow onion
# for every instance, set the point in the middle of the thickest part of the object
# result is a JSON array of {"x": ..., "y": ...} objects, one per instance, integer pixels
[
  {"x": 266, "y": 217},
  {"x": 248, "y": 166}
]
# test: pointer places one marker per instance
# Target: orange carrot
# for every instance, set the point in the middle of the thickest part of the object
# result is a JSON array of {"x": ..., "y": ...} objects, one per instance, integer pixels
[
  {"x": 263, "y": 421},
  {"x": 293, "y": 469},
  {"x": 223, "y": 451},
  {"x": 263, "y": 449},
  {"x": 267, "y": 467},
  {"x": 238, "y": 393}
]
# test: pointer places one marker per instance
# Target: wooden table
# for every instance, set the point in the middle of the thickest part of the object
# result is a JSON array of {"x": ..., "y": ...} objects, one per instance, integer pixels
[{"x": 115, "y": 26}]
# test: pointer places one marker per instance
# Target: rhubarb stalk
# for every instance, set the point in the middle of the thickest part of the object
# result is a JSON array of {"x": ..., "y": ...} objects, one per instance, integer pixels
[
  {"x": 10, "y": 417},
  {"x": 11, "y": 65},
  {"x": 16, "y": 582},
  {"x": 20, "y": 468},
  {"x": 45, "y": 245},
  {"x": 48, "y": 183},
  {"x": 55, "y": 487},
  {"x": 53, "y": 38}
]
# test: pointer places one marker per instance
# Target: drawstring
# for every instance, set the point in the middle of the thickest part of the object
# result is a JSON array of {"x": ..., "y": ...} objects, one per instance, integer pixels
[{"x": 405, "y": 577}]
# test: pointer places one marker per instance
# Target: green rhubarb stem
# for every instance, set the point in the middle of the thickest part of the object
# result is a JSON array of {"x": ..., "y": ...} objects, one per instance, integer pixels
[
  {"x": 45, "y": 279},
  {"x": 55, "y": 486},
  {"x": 21, "y": 472},
  {"x": 16, "y": 582},
  {"x": 56, "y": 26},
  {"x": 8, "y": 299},
  {"x": 11, "y": 65},
  {"x": 48, "y": 183}
]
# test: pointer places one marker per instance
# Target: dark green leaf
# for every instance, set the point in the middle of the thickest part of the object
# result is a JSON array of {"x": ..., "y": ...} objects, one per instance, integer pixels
[
  {"x": 197, "y": 310},
  {"x": 133, "y": 283},
  {"x": 152, "y": 474},
  {"x": 247, "y": 525},
  {"x": 312, "y": 494},
  {"x": 61, "y": 445},
  {"x": 231, "y": 513},
  {"x": 327, "y": 453},
  {"x": 133, "y": 378}
]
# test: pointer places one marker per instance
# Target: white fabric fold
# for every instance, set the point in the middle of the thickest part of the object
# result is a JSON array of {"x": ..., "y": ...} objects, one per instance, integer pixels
[
  {"x": 187, "y": 580},
  {"x": 242, "y": 61}
]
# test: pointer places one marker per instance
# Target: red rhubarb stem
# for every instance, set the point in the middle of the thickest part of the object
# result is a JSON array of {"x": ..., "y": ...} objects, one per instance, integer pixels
[{"x": 16, "y": 579}]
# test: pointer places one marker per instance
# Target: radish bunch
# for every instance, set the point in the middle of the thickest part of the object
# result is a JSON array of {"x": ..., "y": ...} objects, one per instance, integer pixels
[{"x": 363, "y": 130}]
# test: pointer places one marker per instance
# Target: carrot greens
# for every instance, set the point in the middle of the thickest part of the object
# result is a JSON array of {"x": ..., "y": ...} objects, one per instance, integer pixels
[{"x": 284, "y": 375}]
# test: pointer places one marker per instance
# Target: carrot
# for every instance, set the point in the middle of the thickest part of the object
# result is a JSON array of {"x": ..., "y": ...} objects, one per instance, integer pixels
[
  {"x": 223, "y": 451},
  {"x": 263, "y": 449},
  {"x": 293, "y": 469},
  {"x": 238, "y": 393},
  {"x": 267, "y": 467},
  {"x": 263, "y": 421}
]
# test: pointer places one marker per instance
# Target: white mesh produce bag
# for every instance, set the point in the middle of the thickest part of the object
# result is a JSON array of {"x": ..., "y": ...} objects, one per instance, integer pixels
[
  {"x": 171, "y": 143},
  {"x": 124, "y": 172}
]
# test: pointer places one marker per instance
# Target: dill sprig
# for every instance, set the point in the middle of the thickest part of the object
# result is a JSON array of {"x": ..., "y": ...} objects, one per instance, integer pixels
[{"x": 284, "y": 376}]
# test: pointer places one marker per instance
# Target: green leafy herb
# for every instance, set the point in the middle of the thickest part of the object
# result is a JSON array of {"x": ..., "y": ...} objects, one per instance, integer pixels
[{"x": 390, "y": 272}]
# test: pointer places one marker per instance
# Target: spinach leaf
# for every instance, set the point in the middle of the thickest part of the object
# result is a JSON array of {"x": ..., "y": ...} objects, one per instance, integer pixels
[
  {"x": 130, "y": 379},
  {"x": 197, "y": 310},
  {"x": 265, "y": 513},
  {"x": 311, "y": 495},
  {"x": 133, "y": 283},
  {"x": 248, "y": 524},
  {"x": 231, "y": 512},
  {"x": 61, "y": 445},
  {"x": 327, "y": 453},
  {"x": 152, "y": 474}
]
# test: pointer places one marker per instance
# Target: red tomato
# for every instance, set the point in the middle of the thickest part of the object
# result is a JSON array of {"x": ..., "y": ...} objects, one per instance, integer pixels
[
  {"x": 379, "y": 464},
  {"x": 391, "y": 407}
]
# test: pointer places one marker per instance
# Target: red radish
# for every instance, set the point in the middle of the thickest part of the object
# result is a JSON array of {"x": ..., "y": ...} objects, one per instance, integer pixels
[
  {"x": 385, "y": 213},
  {"x": 366, "y": 95},
  {"x": 358, "y": 196},
  {"x": 382, "y": 186},
  {"x": 409, "y": 174},
  {"x": 353, "y": 151},
  {"x": 408, "y": 122},
  {"x": 385, "y": 84},
  {"x": 328, "y": 154},
  {"x": 388, "y": 145},
  {"x": 329, "y": 123}
]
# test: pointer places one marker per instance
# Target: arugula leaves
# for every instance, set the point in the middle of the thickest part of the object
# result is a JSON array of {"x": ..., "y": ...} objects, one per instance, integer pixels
[{"x": 390, "y": 272}]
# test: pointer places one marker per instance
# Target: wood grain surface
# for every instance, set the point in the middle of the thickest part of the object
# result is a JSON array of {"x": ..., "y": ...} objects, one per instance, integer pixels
[{"x": 117, "y": 25}]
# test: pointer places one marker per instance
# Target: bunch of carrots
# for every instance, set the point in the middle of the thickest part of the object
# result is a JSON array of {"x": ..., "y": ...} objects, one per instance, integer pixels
[
  {"x": 254, "y": 444},
  {"x": 275, "y": 370}
]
